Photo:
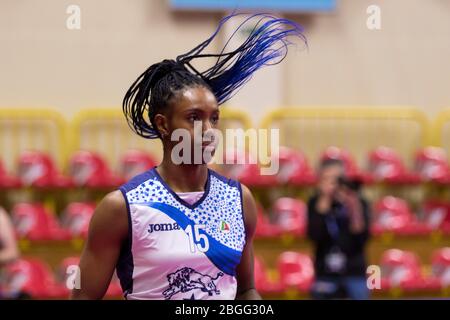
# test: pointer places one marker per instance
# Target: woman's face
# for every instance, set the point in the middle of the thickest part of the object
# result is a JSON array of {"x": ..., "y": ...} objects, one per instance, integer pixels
[{"x": 192, "y": 113}]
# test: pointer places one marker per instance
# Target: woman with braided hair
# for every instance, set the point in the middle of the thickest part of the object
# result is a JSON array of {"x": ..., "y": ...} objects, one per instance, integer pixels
[{"x": 182, "y": 231}]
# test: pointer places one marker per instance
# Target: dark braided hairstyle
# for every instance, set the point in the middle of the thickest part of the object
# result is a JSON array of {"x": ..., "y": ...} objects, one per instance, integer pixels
[{"x": 266, "y": 44}]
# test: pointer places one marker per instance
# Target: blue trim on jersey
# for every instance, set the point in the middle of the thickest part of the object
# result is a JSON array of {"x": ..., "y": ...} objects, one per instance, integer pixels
[
  {"x": 241, "y": 194},
  {"x": 138, "y": 180},
  {"x": 230, "y": 182},
  {"x": 175, "y": 195},
  {"x": 125, "y": 264},
  {"x": 223, "y": 257}
]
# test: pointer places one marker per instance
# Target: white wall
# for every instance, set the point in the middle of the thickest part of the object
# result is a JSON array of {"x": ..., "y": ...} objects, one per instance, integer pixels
[{"x": 42, "y": 63}]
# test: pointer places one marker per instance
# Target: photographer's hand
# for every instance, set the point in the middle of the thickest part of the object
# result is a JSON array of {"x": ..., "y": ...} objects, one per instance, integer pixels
[{"x": 355, "y": 210}]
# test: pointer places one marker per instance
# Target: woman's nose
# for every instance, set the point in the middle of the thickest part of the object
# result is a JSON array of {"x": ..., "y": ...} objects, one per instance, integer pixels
[{"x": 207, "y": 125}]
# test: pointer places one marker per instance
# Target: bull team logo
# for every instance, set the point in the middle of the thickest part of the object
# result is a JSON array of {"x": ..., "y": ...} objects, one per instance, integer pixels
[
  {"x": 187, "y": 279},
  {"x": 224, "y": 226}
]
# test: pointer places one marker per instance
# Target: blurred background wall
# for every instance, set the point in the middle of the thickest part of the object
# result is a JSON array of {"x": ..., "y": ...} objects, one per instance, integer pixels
[{"x": 43, "y": 64}]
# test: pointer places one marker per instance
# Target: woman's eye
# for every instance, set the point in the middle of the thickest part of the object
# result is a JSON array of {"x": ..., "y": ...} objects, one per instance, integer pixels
[
  {"x": 193, "y": 118},
  {"x": 215, "y": 120}
]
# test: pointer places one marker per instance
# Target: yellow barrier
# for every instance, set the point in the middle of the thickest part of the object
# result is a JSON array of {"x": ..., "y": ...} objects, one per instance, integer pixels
[
  {"x": 233, "y": 118},
  {"x": 441, "y": 131},
  {"x": 32, "y": 129},
  {"x": 106, "y": 131},
  {"x": 309, "y": 129},
  {"x": 357, "y": 129}
]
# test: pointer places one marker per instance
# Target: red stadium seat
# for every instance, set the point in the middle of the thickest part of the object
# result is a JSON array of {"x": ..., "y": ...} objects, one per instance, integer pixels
[
  {"x": 34, "y": 222},
  {"x": 437, "y": 215},
  {"x": 294, "y": 168},
  {"x": 263, "y": 283},
  {"x": 401, "y": 269},
  {"x": 7, "y": 180},
  {"x": 33, "y": 278},
  {"x": 135, "y": 162},
  {"x": 264, "y": 228},
  {"x": 89, "y": 169},
  {"x": 393, "y": 215},
  {"x": 290, "y": 216},
  {"x": 296, "y": 271},
  {"x": 64, "y": 271},
  {"x": 76, "y": 218},
  {"x": 386, "y": 165},
  {"x": 244, "y": 168},
  {"x": 114, "y": 289},
  {"x": 440, "y": 263},
  {"x": 38, "y": 169},
  {"x": 351, "y": 168},
  {"x": 431, "y": 164},
  {"x": 65, "y": 264}
]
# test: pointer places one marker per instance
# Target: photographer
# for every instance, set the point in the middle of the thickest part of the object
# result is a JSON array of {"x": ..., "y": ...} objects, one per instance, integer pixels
[{"x": 338, "y": 225}]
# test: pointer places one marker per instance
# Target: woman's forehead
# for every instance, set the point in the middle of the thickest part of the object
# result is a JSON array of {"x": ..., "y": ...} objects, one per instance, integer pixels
[{"x": 198, "y": 97}]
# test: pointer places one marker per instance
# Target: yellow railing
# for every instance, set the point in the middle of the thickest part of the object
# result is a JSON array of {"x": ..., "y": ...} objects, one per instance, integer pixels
[
  {"x": 441, "y": 130},
  {"x": 106, "y": 131},
  {"x": 32, "y": 129},
  {"x": 231, "y": 117},
  {"x": 310, "y": 129},
  {"x": 357, "y": 129}
]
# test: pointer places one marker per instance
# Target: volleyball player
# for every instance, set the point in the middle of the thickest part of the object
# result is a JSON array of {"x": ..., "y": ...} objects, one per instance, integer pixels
[{"x": 183, "y": 231}]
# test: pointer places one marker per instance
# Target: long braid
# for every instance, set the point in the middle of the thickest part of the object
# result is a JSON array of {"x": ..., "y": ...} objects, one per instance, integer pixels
[{"x": 267, "y": 44}]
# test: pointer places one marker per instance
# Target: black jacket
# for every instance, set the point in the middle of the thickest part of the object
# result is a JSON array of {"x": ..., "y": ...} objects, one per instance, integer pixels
[{"x": 351, "y": 245}]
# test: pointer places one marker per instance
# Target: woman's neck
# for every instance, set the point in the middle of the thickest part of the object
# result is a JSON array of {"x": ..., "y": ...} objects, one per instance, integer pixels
[{"x": 183, "y": 178}]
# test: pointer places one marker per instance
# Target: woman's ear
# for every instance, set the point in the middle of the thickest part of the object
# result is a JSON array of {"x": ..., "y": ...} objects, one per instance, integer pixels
[{"x": 161, "y": 125}]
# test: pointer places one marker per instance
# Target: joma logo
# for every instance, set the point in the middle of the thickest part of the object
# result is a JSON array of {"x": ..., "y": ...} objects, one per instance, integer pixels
[{"x": 163, "y": 227}]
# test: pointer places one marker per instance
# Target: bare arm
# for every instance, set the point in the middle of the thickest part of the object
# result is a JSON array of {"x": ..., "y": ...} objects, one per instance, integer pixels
[
  {"x": 8, "y": 244},
  {"x": 245, "y": 278},
  {"x": 107, "y": 231}
]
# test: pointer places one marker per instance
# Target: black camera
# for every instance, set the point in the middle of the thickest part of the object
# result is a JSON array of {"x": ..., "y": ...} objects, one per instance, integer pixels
[{"x": 353, "y": 183}]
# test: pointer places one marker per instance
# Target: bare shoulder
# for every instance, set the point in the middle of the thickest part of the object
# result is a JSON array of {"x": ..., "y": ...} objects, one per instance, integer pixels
[
  {"x": 114, "y": 202},
  {"x": 111, "y": 215}
]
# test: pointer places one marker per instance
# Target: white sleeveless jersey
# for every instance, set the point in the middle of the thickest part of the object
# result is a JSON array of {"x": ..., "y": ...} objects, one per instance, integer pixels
[{"x": 176, "y": 250}]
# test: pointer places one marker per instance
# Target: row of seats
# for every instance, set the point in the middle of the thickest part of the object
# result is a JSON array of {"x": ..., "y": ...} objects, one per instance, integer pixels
[
  {"x": 399, "y": 269},
  {"x": 384, "y": 165},
  {"x": 33, "y": 278},
  {"x": 389, "y": 214},
  {"x": 35, "y": 222},
  {"x": 288, "y": 216},
  {"x": 294, "y": 271},
  {"x": 88, "y": 169}
]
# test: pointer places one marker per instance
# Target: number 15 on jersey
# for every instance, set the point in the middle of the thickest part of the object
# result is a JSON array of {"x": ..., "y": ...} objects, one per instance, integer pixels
[{"x": 197, "y": 240}]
